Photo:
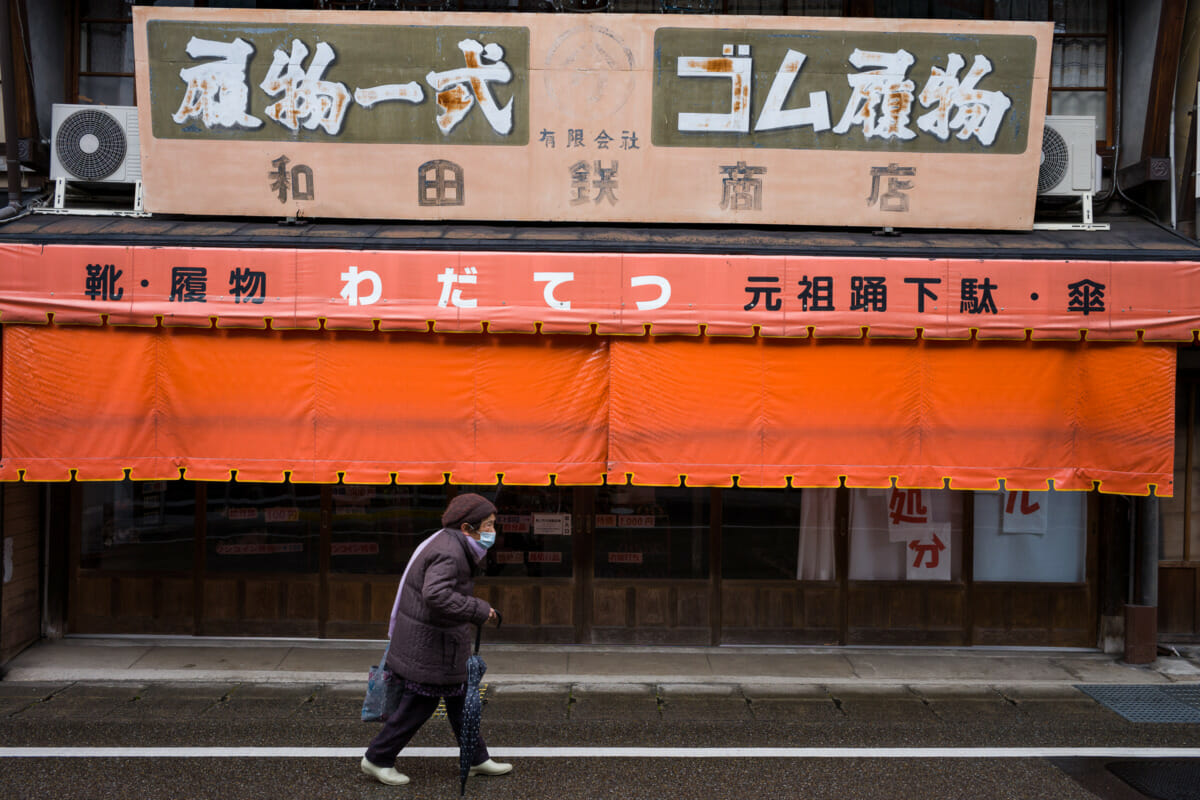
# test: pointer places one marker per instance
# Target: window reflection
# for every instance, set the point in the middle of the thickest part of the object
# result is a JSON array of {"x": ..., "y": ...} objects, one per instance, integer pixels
[
  {"x": 534, "y": 532},
  {"x": 778, "y": 534},
  {"x": 145, "y": 526},
  {"x": 651, "y": 532},
  {"x": 263, "y": 527},
  {"x": 930, "y": 9},
  {"x": 375, "y": 529},
  {"x": 760, "y": 533}
]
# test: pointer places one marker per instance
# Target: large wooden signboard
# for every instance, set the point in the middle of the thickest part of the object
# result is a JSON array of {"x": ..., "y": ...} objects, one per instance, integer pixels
[{"x": 591, "y": 118}]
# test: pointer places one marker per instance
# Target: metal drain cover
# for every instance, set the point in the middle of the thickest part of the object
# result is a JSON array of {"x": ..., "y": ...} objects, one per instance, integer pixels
[
  {"x": 1185, "y": 693},
  {"x": 1164, "y": 704},
  {"x": 1164, "y": 779}
]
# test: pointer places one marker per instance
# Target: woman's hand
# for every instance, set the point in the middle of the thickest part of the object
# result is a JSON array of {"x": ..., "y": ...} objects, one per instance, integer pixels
[{"x": 492, "y": 616}]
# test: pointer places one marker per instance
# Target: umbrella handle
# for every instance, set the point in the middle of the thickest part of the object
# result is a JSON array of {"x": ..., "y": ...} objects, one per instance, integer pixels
[{"x": 479, "y": 630}]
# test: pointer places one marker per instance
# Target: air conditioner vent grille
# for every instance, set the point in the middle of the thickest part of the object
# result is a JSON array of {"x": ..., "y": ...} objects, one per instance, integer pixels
[
  {"x": 90, "y": 144},
  {"x": 1055, "y": 159}
]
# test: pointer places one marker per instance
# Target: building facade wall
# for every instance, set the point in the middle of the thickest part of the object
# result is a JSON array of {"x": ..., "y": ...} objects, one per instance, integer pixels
[
  {"x": 599, "y": 565},
  {"x": 21, "y": 623},
  {"x": 215, "y": 573}
]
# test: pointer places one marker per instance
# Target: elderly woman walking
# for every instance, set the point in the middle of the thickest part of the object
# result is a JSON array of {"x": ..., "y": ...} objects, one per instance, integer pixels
[{"x": 431, "y": 634}]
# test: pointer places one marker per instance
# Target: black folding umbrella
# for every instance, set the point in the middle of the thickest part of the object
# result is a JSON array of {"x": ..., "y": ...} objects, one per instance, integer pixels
[{"x": 468, "y": 734}]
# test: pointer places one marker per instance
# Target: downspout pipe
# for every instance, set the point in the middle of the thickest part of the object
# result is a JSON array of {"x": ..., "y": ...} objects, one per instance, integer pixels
[
  {"x": 1147, "y": 563},
  {"x": 1171, "y": 158},
  {"x": 8, "y": 90},
  {"x": 1141, "y": 616}
]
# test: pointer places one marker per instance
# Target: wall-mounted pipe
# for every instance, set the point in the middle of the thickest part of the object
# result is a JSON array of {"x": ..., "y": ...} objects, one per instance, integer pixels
[{"x": 1149, "y": 531}]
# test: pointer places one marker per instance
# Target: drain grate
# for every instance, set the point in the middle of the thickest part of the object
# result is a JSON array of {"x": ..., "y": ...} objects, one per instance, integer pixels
[
  {"x": 1185, "y": 693},
  {"x": 1179, "y": 704},
  {"x": 1163, "y": 779}
]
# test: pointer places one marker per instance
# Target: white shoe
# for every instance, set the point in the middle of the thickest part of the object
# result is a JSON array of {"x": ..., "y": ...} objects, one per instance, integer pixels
[
  {"x": 490, "y": 767},
  {"x": 387, "y": 775}
]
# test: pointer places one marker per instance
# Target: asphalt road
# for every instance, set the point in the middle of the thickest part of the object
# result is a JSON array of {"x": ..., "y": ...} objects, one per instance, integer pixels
[{"x": 235, "y": 716}]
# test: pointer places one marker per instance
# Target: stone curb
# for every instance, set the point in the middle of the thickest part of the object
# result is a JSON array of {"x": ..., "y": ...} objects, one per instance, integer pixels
[{"x": 608, "y": 683}]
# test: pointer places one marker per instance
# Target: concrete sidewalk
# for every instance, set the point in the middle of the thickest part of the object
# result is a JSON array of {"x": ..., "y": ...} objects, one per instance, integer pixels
[{"x": 281, "y": 661}]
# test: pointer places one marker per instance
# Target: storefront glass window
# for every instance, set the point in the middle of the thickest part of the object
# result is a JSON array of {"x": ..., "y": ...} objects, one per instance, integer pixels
[
  {"x": 905, "y": 535},
  {"x": 651, "y": 532},
  {"x": 930, "y": 9},
  {"x": 263, "y": 527},
  {"x": 777, "y": 534},
  {"x": 138, "y": 525},
  {"x": 801, "y": 8},
  {"x": 534, "y": 532},
  {"x": 760, "y": 533},
  {"x": 1181, "y": 533},
  {"x": 1030, "y": 536},
  {"x": 375, "y": 529}
]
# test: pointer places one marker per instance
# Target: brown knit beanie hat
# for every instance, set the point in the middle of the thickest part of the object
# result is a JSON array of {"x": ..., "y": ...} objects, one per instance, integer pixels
[{"x": 470, "y": 508}]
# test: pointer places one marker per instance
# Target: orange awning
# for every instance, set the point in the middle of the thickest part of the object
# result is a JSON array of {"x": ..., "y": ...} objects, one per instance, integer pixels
[
  {"x": 418, "y": 407},
  {"x": 614, "y": 293}
]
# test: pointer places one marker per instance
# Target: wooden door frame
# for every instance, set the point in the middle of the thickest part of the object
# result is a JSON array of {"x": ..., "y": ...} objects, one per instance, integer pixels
[
  {"x": 199, "y": 556},
  {"x": 75, "y": 544},
  {"x": 324, "y": 558},
  {"x": 967, "y": 571},
  {"x": 586, "y": 581},
  {"x": 715, "y": 524},
  {"x": 841, "y": 566},
  {"x": 583, "y": 507},
  {"x": 965, "y": 579},
  {"x": 584, "y": 567}
]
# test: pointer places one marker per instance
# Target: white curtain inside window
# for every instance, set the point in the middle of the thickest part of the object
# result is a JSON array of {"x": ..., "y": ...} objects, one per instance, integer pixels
[
  {"x": 1019, "y": 536},
  {"x": 1030, "y": 536},
  {"x": 884, "y": 522},
  {"x": 815, "y": 561}
]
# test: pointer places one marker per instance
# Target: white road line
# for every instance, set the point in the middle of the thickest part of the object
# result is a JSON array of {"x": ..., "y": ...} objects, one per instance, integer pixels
[{"x": 612, "y": 752}]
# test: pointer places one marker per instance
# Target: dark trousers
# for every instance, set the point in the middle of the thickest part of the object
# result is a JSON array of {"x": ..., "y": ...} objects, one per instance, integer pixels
[{"x": 410, "y": 715}]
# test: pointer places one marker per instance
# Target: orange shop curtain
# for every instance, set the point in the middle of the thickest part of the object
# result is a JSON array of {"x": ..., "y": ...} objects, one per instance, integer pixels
[
  {"x": 646, "y": 409},
  {"x": 100, "y": 400},
  {"x": 766, "y": 410}
]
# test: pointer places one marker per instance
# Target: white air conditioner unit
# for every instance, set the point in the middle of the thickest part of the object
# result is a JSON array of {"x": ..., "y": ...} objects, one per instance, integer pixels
[
  {"x": 94, "y": 144},
  {"x": 1069, "y": 166},
  {"x": 97, "y": 144}
]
